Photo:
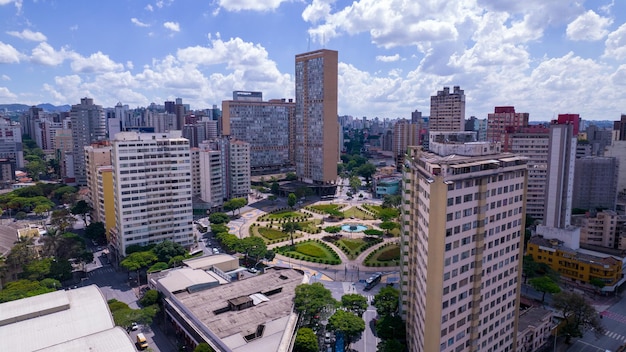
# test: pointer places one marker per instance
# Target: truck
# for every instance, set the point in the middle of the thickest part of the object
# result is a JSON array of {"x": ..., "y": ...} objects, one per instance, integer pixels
[{"x": 141, "y": 341}]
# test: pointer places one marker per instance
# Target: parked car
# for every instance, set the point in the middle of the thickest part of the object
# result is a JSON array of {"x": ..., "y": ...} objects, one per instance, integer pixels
[
  {"x": 134, "y": 326},
  {"x": 253, "y": 270}
]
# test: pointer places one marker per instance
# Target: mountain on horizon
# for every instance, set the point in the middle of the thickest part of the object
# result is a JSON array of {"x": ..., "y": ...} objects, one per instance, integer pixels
[{"x": 45, "y": 106}]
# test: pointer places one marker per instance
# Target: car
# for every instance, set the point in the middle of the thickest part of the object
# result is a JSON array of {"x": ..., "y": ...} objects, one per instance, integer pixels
[
  {"x": 327, "y": 338},
  {"x": 134, "y": 326},
  {"x": 253, "y": 270},
  {"x": 216, "y": 251}
]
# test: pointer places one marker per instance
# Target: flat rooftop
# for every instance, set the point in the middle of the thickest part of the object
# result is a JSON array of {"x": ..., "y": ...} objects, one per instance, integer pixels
[{"x": 211, "y": 307}]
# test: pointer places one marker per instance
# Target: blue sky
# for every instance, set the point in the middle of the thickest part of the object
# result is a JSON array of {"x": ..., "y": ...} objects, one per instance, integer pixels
[{"x": 545, "y": 57}]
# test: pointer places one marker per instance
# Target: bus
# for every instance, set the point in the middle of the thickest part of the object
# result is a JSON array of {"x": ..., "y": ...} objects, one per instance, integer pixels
[{"x": 373, "y": 281}]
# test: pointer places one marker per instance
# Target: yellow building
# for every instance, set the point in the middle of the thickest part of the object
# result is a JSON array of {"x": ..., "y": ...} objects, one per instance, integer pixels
[
  {"x": 106, "y": 201},
  {"x": 579, "y": 266}
]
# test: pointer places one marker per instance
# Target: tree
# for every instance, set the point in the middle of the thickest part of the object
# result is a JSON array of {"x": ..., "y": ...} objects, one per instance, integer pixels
[
  {"x": 291, "y": 200},
  {"x": 235, "y": 204},
  {"x": 544, "y": 284},
  {"x": 306, "y": 341},
  {"x": 332, "y": 229},
  {"x": 348, "y": 323},
  {"x": 203, "y": 347},
  {"x": 366, "y": 171},
  {"x": 373, "y": 232},
  {"x": 124, "y": 316},
  {"x": 138, "y": 260},
  {"x": 355, "y": 303},
  {"x": 579, "y": 315},
  {"x": 26, "y": 288},
  {"x": 310, "y": 299},
  {"x": 81, "y": 208},
  {"x": 219, "y": 218},
  {"x": 149, "y": 298},
  {"x": 388, "y": 226},
  {"x": 254, "y": 247},
  {"x": 269, "y": 255},
  {"x": 35, "y": 168},
  {"x": 390, "y": 346},
  {"x": 96, "y": 231},
  {"x": 392, "y": 201},
  {"x": 275, "y": 187},
  {"x": 291, "y": 227},
  {"x": 291, "y": 176},
  {"x": 387, "y": 300},
  {"x": 61, "y": 219},
  {"x": 166, "y": 250},
  {"x": 355, "y": 183},
  {"x": 41, "y": 209},
  {"x": 391, "y": 327},
  {"x": 158, "y": 266},
  {"x": 176, "y": 261}
]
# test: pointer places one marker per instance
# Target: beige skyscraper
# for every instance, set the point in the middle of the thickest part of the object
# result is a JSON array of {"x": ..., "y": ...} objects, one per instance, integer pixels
[
  {"x": 447, "y": 110},
  {"x": 461, "y": 245},
  {"x": 316, "y": 121}
]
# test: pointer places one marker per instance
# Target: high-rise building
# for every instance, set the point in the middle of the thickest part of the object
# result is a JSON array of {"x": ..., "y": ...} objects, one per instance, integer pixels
[
  {"x": 560, "y": 181},
  {"x": 617, "y": 150},
  {"x": 210, "y": 175},
  {"x": 88, "y": 126},
  {"x": 405, "y": 133},
  {"x": 266, "y": 125},
  {"x": 533, "y": 142},
  {"x": 447, "y": 110},
  {"x": 152, "y": 181},
  {"x": 462, "y": 244},
  {"x": 11, "y": 143},
  {"x": 316, "y": 124},
  {"x": 96, "y": 155},
  {"x": 595, "y": 183},
  {"x": 502, "y": 119},
  {"x": 620, "y": 128}
]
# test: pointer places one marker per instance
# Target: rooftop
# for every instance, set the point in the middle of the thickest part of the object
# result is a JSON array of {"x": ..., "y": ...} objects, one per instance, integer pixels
[{"x": 533, "y": 317}]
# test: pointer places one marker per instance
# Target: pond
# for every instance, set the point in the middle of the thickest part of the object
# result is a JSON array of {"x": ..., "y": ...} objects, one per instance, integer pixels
[{"x": 353, "y": 228}]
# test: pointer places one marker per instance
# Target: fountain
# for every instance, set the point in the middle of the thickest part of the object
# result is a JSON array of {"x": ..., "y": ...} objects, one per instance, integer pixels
[{"x": 353, "y": 228}]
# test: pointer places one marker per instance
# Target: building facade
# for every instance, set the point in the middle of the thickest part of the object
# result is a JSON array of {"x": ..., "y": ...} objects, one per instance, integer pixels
[
  {"x": 266, "y": 125},
  {"x": 316, "y": 122},
  {"x": 595, "y": 183},
  {"x": 461, "y": 246},
  {"x": 88, "y": 126},
  {"x": 96, "y": 155},
  {"x": 447, "y": 110},
  {"x": 152, "y": 181},
  {"x": 502, "y": 119}
]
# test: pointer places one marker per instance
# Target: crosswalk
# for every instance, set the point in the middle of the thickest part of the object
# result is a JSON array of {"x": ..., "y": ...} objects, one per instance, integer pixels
[
  {"x": 101, "y": 270},
  {"x": 615, "y": 336}
]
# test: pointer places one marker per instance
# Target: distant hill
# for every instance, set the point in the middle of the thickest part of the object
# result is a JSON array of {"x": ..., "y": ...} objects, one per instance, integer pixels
[{"x": 46, "y": 107}]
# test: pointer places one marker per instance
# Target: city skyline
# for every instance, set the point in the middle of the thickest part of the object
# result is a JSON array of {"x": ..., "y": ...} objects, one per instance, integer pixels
[{"x": 544, "y": 59}]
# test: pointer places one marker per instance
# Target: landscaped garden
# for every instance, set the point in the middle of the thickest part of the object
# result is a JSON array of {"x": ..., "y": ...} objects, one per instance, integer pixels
[
  {"x": 386, "y": 255},
  {"x": 312, "y": 251},
  {"x": 357, "y": 213},
  {"x": 285, "y": 214},
  {"x": 352, "y": 247},
  {"x": 270, "y": 234}
]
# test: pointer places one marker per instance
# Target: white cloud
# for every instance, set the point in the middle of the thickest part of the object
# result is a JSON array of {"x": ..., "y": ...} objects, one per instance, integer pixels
[
  {"x": 6, "y": 95},
  {"x": 18, "y": 4},
  {"x": 172, "y": 26},
  {"x": 8, "y": 54},
  {"x": 44, "y": 54},
  {"x": 391, "y": 58},
  {"x": 149, "y": 8},
  {"x": 74, "y": 28},
  {"x": 159, "y": 4},
  {"x": 589, "y": 26},
  {"x": 619, "y": 77},
  {"x": 5, "y": 78},
  {"x": 250, "y": 5},
  {"x": 97, "y": 62},
  {"x": 130, "y": 65},
  {"x": 66, "y": 89},
  {"x": 27, "y": 34},
  {"x": 615, "y": 44},
  {"x": 138, "y": 23},
  {"x": 316, "y": 10}
]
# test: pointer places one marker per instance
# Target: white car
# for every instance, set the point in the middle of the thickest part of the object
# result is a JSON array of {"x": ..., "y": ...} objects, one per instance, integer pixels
[
  {"x": 134, "y": 326},
  {"x": 253, "y": 270}
]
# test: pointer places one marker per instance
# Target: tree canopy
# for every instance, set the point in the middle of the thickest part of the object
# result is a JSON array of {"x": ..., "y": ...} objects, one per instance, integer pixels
[
  {"x": 306, "y": 341},
  {"x": 166, "y": 250},
  {"x": 386, "y": 301},
  {"x": 291, "y": 200},
  {"x": 81, "y": 208},
  {"x": 579, "y": 315},
  {"x": 348, "y": 323},
  {"x": 311, "y": 298},
  {"x": 235, "y": 204},
  {"x": 138, "y": 260},
  {"x": 355, "y": 303},
  {"x": 219, "y": 218},
  {"x": 544, "y": 284}
]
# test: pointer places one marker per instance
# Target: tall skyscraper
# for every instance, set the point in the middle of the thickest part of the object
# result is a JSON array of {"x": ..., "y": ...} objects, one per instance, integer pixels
[
  {"x": 447, "y": 110},
  {"x": 461, "y": 245},
  {"x": 595, "y": 183},
  {"x": 316, "y": 121},
  {"x": 405, "y": 133},
  {"x": 266, "y": 125},
  {"x": 502, "y": 119},
  {"x": 88, "y": 126},
  {"x": 152, "y": 178}
]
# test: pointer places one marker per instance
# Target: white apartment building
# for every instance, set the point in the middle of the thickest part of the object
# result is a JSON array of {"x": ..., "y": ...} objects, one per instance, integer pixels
[
  {"x": 210, "y": 175},
  {"x": 447, "y": 110},
  {"x": 238, "y": 163},
  {"x": 152, "y": 186},
  {"x": 461, "y": 245}
]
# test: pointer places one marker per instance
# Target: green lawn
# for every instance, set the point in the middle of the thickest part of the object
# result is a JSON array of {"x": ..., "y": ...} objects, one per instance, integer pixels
[
  {"x": 352, "y": 247},
  {"x": 384, "y": 256},
  {"x": 284, "y": 214},
  {"x": 326, "y": 207},
  {"x": 312, "y": 251},
  {"x": 357, "y": 213},
  {"x": 271, "y": 234}
]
